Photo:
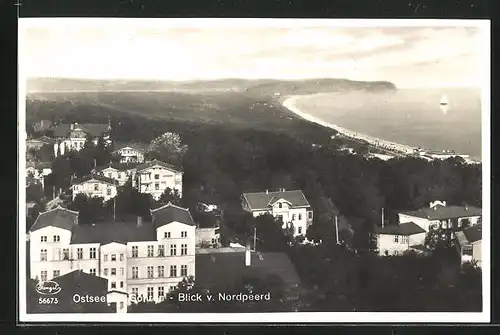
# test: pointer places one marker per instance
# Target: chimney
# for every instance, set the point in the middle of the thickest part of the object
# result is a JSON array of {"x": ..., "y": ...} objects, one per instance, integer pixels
[
  {"x": 248, "y": 256},
  {"x": 139, "y": 221},
  {"x": 267, "y": 191},
  {"x": 72, "y": 126},
  {"x": 444, "y": 203},
  {"x": 466, "y": 207}
]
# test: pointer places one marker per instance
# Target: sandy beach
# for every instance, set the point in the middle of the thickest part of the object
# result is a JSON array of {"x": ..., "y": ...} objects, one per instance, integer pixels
[{"x": 290, "y": 104}]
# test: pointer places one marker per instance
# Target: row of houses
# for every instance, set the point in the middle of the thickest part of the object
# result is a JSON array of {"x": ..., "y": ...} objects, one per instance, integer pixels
[
  {"x": 151, "y": 177},
  {"x": 460, "y": 223}
]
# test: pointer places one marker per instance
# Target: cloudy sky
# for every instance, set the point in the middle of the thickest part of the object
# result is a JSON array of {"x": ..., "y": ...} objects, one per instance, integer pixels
[{"x": 407, "y": 56}]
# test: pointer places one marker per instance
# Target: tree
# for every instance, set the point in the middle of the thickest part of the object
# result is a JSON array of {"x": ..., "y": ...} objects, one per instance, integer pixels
[
  {"x": 34, "y": 192},
  {"x": 169, "y": 195},
  {"x": 168, "y": 147},
  {"x": 91, "y": 209}
]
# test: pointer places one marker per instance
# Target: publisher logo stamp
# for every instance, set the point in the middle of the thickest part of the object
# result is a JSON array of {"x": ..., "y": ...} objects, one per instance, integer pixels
[{"x": 48, "y": 288}]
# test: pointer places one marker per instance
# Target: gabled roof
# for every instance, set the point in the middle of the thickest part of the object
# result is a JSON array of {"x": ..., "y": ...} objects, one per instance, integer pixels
[
  {"x": 220, "y": 270},
  {"x": 445, "y": 212},
  {"x": 142, "y": 147},
  {"x": 262, "y": 200},
  {"x": 170, "y": 213},
  {"x": 108, "y": 232},
  {"x": 97, "y": 177},
  {"x": 407, "y": 228},
  {"x": 95, "y": 130},
  {"x": 58, "y": 217},
  {"x": 152, "y": 163},
  {"x": 474, "y": 233}
]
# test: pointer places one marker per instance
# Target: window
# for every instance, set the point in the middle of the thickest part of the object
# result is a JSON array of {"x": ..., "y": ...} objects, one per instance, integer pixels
[
  {"x": 105, "y": 257},
  {"x": 173, "y": 271},
  {"x": 150, "y": 272},
  {"x": 444, "y": 224},
  {"x": 300, "y": 216},
  {"x": 161, "y": 292},
  {"x": 184, "y": 270},
  {"x": 213, "y": 242},
  {"x": 280, "y": 205},
  {"x": 173, "y": 250},
  {"x": 92, "y": 253},
  {"x": 122, "y": 271},
  {"x": 135, "y": 251},
  {"x": 121, "y": 304},
  {"x": 299, "y": 230},
  {"x": 171, "y": 288},
  {"x": 79, "y": 253},
  {"x": 184, "y": 233},
  {"x": 161, "y": 271},
  {"x": 167, "y": 234},
  {"x": 43, "y": 238},
  {"x": 108, "y": 191},
  {"x": 396, "y": 238},
  {"x": 157, "y": 176},
  {"x": 310, "y": 215},
  {"x": 43, "y": 275},
  {"x": 293, "y": 216},
  {"x": 161, "y": 250},
  {"x": 43, "y": 255},
  {"x": 121, "y": 257},
  {"x": 404, "y": 239},
  {"x": 113, "y": 284},
  {"x": 184, "y": 249},
  {"x": 150, "y": 250},
  {"x": 135, "y": 272},
  {"x": 65, "y": 254},
  {"x": 150, "y": 293},
  {"x": 135, "y": 291},
  {"x": 109, "y": 175},
  {"x": 113, "y": 271},
  {"x": 56, "y": 273},
  {"x": 105, "y": 272},
  {"x": 96, "y": 187},
  {"x": 157, "y": 186},
  {"x": 57, "y": 238},
  {"x": 113, "y": 257},
  {"x": 121, "y": 284},
  {"x": 93, "y": 272}
]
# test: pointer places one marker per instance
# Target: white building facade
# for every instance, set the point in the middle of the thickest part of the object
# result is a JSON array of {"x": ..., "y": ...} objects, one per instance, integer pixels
[
  {"x": 122, "y": 173},
  {"x": 291, "y": 207},
  {"x": 155, "y": 176},
  {"x": 142, "y": 261},
  {"x": 95, "y": 186},
  {"x": 130, "y": 154}
]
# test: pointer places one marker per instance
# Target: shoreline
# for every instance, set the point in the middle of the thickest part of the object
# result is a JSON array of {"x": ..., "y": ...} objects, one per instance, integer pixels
[
  {"x": 392, "y": 148},
  {"x": 289, "y": 103}
]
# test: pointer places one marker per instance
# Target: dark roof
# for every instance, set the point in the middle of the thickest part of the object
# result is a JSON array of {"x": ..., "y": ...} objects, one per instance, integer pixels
[
  {"x": 222, "y": 270},
  {"x": 407, "y": 228},
  {"x": 39, "y": 165},
  {"x": 474, "y": 233},
  {"x": 138, "y": 146},
  {"x": 445, "y": 212},
  {"x": 119, "y": 232},
  {"x": 95, "y": 130},
  {"x": 97, "y": 177},
  {"x": 42, "y": 125},
  {"x": 170, "y": 213},
  {"x": 117, "y": 166},
  {"x": 157, "y": 162},
  {"x": 58, "y": 217},
  {"x": 80, "y": 277},
  {"x": 262, "y": 200}
]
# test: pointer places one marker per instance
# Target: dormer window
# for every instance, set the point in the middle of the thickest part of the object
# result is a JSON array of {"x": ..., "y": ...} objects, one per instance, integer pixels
[{"x": 280, "y": 205}]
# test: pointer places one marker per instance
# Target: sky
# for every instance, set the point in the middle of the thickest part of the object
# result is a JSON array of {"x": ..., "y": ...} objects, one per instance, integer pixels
[{"x": 416, "y": 56}]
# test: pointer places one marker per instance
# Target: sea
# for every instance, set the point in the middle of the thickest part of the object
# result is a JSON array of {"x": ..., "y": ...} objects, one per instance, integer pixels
[{"x": 411, "y": 117}]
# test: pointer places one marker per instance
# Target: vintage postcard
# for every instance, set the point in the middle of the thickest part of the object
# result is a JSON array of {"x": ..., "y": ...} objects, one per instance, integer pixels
[{"x": 254, "y": 170}]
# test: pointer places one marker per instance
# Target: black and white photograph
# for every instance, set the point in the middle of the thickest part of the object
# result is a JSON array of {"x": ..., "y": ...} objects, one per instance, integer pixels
[{"x": 254, "y": 170}]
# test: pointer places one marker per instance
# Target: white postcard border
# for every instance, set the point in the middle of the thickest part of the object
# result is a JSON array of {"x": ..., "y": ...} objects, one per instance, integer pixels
[{"x": 291, "y": 317}]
